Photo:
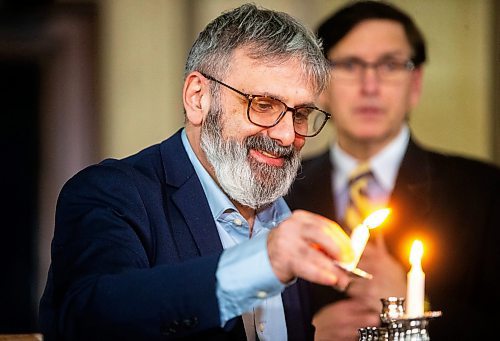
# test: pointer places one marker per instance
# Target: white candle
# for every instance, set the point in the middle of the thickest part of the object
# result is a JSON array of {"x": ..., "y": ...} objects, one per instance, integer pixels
[
  {"x": 415, "y": 289},
  {"x": 359, "y": 238},
  {"x": 361, "y": 234}
]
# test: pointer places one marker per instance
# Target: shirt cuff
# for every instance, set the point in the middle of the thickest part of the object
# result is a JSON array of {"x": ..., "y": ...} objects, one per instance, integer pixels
[{"x": 245, "y": 277}]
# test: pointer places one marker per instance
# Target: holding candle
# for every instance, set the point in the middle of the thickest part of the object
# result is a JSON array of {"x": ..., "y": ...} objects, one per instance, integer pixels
[
  {"x": 359, "y": 238},
  {"x": 361, "y": 234},
  {"x": 415, "y": 290}
]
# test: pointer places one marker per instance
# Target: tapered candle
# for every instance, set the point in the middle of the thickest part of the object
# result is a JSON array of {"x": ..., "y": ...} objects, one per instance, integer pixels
[
  {"x": 415, "y": 290},
  {"x": 359, "y": 238},
  {"x": 361, "y": 234}
]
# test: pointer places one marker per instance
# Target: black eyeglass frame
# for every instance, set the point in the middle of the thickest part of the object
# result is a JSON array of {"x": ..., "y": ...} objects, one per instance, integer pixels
[
  {"x": 408, "y": 64},
  {"x": 250, "y": 97}
]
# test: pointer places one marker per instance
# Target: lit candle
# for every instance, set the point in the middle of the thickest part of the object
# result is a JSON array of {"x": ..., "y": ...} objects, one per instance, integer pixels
[
  {"x": 361, "y": 234},
  {"x": 415, "y": 289}
]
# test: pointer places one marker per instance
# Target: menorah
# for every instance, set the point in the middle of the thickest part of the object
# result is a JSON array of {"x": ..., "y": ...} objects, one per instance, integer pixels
[{"x": 396, "y": 326}]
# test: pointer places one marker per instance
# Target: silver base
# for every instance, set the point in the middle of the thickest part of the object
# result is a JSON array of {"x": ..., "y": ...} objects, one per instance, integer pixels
[{"x": 396, "y": 326}]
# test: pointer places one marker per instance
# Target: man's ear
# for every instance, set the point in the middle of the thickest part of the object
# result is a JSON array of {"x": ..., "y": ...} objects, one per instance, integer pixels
[{"x": 196, "y": 97}]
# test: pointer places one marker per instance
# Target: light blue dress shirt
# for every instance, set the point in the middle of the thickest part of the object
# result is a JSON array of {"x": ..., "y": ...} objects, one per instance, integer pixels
[
  {"x": 384, "y": 166},
  {"x": 246, "y": 283}
]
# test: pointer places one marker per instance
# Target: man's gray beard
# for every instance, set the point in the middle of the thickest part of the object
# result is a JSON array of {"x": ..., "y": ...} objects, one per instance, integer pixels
[{"x": 243, "y": 179}]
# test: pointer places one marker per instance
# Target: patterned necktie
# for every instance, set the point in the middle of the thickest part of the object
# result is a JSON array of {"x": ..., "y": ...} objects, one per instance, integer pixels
[{"x": 358, "y": 207}]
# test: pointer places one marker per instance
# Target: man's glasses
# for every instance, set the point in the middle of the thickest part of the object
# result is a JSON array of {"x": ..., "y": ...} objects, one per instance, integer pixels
[
  {"x": 354, "y": 69},
  {"x": 266, "y": 112}
]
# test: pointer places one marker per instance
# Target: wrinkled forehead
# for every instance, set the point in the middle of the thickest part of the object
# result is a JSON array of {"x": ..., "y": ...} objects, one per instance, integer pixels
[
  {"x": 271, "y": 68},
  {"x": 270, "y": 76}
]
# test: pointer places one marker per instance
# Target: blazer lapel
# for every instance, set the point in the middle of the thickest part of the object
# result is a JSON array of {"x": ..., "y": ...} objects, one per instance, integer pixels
[
  {"x": 192, "y": 203},
  {"x": 297, "y": 312},
  {"x": 324, "y": 187},
  {"x": 410, "y": 199},
  {"x": 312, "y": 190},
  {"x": 195, "y": 222}
]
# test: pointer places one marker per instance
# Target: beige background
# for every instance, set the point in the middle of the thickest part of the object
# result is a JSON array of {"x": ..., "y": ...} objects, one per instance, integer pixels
[{"x": 144, "y": 44}]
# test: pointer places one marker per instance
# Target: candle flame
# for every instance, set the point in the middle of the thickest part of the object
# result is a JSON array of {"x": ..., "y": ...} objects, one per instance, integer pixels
[
  {"x": 416, "y": 253},
  {"x": 376, "y": 218}
]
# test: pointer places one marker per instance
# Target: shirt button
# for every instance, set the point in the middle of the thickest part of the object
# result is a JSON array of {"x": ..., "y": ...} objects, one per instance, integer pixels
[
  {"x": 237, "y": 222},
  {"x": 261, "y": 294}
]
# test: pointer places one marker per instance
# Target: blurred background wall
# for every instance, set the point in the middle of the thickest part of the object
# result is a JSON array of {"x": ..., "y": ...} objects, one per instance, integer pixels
[
  {"x": 144, "y": 44},
  {"x": 86, "y": 80}
]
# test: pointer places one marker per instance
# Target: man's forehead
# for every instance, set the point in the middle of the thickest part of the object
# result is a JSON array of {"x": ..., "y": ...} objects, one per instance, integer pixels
[
  {"x": 268, "y": 72},
  {"x": 247, "y": 55}
]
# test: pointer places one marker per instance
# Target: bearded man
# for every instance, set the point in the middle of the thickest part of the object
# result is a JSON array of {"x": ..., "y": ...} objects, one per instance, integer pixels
[{"x": 190, "y": 238}]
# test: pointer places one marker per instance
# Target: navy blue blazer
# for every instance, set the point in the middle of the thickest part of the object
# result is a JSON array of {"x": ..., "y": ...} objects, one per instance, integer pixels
[
  {"x": 134, "y": 256},
  {"x": 453, "y": 202}
]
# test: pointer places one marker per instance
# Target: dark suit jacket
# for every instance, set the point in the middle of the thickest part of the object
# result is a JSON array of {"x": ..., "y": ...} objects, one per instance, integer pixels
[
  {"x": 134, "y": 256},
  {"x": 455, "y": 204}
]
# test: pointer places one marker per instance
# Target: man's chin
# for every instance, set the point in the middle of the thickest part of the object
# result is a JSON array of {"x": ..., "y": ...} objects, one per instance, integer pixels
[
  {"x": 265, "y": 173},
  {"x": 367, "y": 135}
]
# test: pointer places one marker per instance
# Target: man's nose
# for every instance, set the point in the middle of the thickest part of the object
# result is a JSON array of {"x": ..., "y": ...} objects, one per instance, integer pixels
[
  {"x": 284, "y": 131},
  {"x": 370, "y": 80}
]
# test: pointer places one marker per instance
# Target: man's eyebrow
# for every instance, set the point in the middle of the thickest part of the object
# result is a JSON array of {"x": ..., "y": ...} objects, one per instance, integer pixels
[
  {"x": 306, "y": 104},
  {"x": 386, "y": 55},
  {"x": 394, "y": 54},
  {"x": 284, "y": 100}
]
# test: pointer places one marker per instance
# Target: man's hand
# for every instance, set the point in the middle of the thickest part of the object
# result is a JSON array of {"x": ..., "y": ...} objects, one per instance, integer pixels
[
  {"x": 340, "y": 321},
  {"x": 306, "y": 246},
  {"x": 389, "y": 277}
]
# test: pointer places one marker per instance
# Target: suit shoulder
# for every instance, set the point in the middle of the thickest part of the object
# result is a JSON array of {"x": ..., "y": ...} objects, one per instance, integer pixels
[
  {"x": 137, "y": 170},
  {"x": 466, "y": 164},
  {"x": 315, "y": 163},
  {"x": 466, "y": 171},
  {"x": 146, "y": 161}
]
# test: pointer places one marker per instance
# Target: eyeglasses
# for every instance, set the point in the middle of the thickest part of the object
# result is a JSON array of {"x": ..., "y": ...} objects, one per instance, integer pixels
[
  {"x": 266, "y": 112},
  {"x": 354, "y": 69}
]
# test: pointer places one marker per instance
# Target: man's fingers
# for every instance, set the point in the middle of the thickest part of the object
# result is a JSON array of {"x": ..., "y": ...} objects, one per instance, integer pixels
[
  {"x": 317, "y": 267},
  {"x": 307, "y": 245},
  {"x": 341, "y": 242},
  {"x": 329, "y": 237}
]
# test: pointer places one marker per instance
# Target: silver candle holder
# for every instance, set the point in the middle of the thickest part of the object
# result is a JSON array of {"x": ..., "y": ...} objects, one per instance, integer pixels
[{"x": 396, "y": 326}]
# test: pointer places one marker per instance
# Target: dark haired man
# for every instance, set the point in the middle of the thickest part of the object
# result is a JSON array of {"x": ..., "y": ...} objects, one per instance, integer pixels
[{"x": 452, "y": 203}]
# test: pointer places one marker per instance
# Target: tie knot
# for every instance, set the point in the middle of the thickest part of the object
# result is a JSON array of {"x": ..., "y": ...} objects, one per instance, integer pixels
[{"x": 361, "y": 171}]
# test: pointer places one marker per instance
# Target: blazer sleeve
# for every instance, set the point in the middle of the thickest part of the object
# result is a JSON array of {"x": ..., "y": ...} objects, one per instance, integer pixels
[{"x": 105, "y": 281}]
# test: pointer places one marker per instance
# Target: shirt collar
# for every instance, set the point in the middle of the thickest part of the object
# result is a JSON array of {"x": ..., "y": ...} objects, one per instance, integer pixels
[
  {"x": 384, "y": 165},
  {"x": 218, "y": 201}
]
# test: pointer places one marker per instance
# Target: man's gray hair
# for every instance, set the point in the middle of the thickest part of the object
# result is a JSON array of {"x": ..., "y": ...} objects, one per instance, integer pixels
[{"x": 268, "y": 36}]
